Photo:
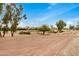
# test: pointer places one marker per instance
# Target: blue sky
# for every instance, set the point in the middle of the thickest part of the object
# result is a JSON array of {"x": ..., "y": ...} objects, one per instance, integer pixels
[{"x": 49, "y": 13}]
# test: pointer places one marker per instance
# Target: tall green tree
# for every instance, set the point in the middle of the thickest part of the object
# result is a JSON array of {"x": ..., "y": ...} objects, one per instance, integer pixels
[
  {"x": 77, "y": 26},
  {"x": 60, "y": 25},
  {"x": 16, "y": 17},
  {"x": 13, "y": 15},
  {"x": 1, "y": 7},
  {"x": 6, "y": 18}
]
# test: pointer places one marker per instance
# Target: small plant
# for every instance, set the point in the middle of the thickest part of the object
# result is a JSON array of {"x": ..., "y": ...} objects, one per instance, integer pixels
[
  {"x": 60, "y": 25},
  {"x": 44, "y": 28}
]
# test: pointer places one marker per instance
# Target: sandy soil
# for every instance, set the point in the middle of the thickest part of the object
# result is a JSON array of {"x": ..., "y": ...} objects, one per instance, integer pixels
[{"x": 66, "y": 43}]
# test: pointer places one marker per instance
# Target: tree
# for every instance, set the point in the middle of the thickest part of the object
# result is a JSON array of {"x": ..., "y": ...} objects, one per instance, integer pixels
[
  {"x": 44, "y": 28},
  {"x": 0, "y": 30},
  {"x": 13, "y": 15},
  {"x": 6, "y": 18},
  {"x": 16, "y": 17},
  {"x": 77, "y": 26},
  {"x": 71, "y": 27},
  {"x": 1, "y": 7},
  {"x": 60, "y": 25}
]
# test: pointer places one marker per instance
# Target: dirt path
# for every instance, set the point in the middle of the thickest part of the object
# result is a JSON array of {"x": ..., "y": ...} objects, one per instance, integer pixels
[
  {"x": 72, "y": 48},
  {"x": 35, "y": 44}
]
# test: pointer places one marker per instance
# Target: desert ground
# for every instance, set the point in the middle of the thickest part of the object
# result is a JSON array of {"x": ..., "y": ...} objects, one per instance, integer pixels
[{"x": 52, "y": 44}]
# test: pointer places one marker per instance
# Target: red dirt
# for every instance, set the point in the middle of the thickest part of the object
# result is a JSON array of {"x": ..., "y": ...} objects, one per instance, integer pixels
[{"x": 37, "y": 44}]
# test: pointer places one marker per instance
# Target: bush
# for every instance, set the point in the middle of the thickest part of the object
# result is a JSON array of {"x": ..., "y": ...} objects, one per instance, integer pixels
[
  {"x": 23, "y": 32},
  {"x": 33, "y": 28},
  {"x": 44, "y": 28}
]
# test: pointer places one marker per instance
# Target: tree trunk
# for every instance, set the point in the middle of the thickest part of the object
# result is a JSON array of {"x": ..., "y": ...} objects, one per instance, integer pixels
[
  {"x": 3, "y": 33},
  {"x": 0, "y": 34},
  {"x": 43, "y": 32},
  {"x": 60, "y": 30},
  {"x": 12, "y": 33}
]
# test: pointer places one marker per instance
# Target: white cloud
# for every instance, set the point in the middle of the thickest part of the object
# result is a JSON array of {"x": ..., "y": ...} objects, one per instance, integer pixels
[
  {"x": 75, "y": 19},
  {"x": 72, "y": 22},
  {"x": 69, "y": 23}
]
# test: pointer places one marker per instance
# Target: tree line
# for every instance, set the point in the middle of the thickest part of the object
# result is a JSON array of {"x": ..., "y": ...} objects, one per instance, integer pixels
[
  {"x": 60, "y": 27},
  {"x": 13, "y": 14}
]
